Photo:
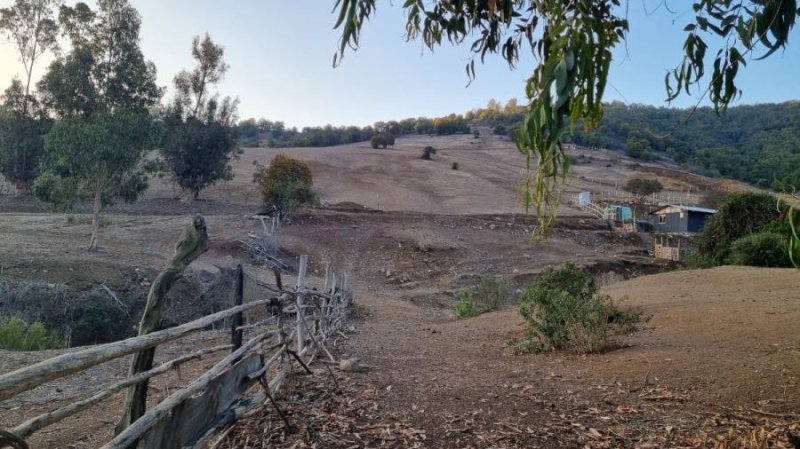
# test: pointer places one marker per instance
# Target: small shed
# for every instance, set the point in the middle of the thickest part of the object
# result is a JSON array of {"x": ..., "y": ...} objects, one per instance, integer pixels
[
  {"x": 674, "y": 219},
  {"x": 618, "y": 213},
  {"x": 584, "y": 198}
]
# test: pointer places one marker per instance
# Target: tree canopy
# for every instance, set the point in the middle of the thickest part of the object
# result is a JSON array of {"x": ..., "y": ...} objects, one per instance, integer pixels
[
  {"x": 31, "y": 27},
  {"x": 23, "y": 124},
  {"x": 101, "y": 92},
  {"x": 201, "y": 136}
]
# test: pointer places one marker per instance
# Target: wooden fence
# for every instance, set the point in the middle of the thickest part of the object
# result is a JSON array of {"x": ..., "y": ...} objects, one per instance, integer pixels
[{"x": 295, "y": 327}]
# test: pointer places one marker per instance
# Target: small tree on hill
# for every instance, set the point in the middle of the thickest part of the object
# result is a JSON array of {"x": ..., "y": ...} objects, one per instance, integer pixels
[
  {"x": 201, "y": 136},
  {"x": 643, "y": 187},
  {"x": 285, "y": 185},
  {"x": 379, "y": 141},
  {"x": 428, "y": 152}
]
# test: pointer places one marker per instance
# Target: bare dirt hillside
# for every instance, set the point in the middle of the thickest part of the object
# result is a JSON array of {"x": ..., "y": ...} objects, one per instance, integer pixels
[{"x": 490, "y": 177}]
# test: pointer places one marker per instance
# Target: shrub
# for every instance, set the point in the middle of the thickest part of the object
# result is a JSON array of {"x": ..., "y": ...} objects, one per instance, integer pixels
[
  {"x": 564, "y": 311},
  {"x": 500, "y": 130},
  {"x": 476, "y": 133},
  {"x": 390, "y": 139},
  {"x": 764, "y": 249},
  {"x": 285, "y": 185},
  {"x": 454, "y": 166},
  {"x": 33, "y": 301},
  {"x": 487, "y": 295},
  {"x": 739, "y": 215},
  {"x": 379, "y": 141},
  {"x": 17, "y": 335},
  {"x": 428, "y": 152},
  {"x": 464, "y": 306},
  {"x": 100, "y": 318}
]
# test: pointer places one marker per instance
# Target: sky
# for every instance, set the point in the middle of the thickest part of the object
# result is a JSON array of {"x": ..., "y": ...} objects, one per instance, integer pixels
[{"x": 280, "y": 55}]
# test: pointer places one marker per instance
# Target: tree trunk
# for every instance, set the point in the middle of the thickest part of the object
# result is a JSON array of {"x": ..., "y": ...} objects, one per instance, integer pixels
[
  {"x": 98, "y": 204},
  {"x": 20, "y": 188},
  {"x": 193, "y": 243}
]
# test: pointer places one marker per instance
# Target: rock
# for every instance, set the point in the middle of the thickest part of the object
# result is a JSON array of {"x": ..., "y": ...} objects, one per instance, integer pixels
[{"x": 351, "y": 365}]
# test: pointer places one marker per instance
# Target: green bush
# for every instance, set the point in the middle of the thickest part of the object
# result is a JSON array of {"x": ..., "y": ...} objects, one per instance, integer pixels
[
  {"x": 488, "y": 294},
  {"x": 564, "y": 311},
  {"x": 741, "y": 215},
  {"x": 500, "y": 130},
  {"x": 764, "y": 249},
  {"x": 17, "y": 335},
  {"x": 464, "y": 307},
  {"x": 379, "y": 141},
  {"x": 285, "y": 185},
  {"x": 428, "y": 152}
]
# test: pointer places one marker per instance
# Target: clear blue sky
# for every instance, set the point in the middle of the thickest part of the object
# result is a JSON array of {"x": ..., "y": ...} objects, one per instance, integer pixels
[{"x": 280, "y": 53}]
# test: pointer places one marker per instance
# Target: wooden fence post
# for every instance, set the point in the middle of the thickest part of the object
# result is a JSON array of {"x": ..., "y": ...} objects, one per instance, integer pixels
[
  {"x": 301, "y": 331},
  {"x": 237, "y": 320},
  {"x": 193, "y": 243}
]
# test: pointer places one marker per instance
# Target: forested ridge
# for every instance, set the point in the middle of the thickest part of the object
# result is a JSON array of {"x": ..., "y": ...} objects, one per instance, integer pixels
[{"x": 758, "y": 144}]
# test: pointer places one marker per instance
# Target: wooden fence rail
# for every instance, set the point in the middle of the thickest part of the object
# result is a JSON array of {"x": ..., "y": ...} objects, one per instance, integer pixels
[{"x": 301, "y": 321}]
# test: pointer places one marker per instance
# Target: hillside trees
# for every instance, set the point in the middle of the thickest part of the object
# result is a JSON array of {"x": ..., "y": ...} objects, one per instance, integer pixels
[
  {"x": 32, "y": 29},
  {"x": 101, "y": 93},
  {"x": 201, "y": 136},
  {"x": 572, "y": 43}
]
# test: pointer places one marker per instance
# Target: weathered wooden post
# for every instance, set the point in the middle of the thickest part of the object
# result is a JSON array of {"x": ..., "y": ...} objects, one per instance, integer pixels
[
  {"x": 301, "y": 331},
  {"x": 238, "y": 319},
  {"x": 193, "y": 243}
]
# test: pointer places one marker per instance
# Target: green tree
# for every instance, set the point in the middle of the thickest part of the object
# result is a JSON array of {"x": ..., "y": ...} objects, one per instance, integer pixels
[
  {"x": 101, "y": 92},
  {"x": 201, "y": 135},
  {"x": 643, "y": 187},
  {"x": 31, "y": 27},
  {"x": 572, "y": 44},
  {"x": 427, "y": 153},
  {"x": 379, "y": 141},
  {"x": 22, "y": 127}
]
